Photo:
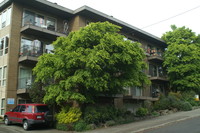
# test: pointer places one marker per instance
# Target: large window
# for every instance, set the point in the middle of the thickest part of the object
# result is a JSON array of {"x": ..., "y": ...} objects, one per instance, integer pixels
[
  {"x": 4, "y": 45},
  {"x": 133, "y": 91},
  {"x": 156, "y": 71},
  {"x": 32, "y": 18},
  {"x": 4, "y": 75},
  {"x": 2, "y": 106},
  {"x": 25, "y": 78},
  {"x": 157, "y": 89},
  {"x": 51, "y": 24},
  {"x": 39, "y": 20},
  {"x": 31, "y": 47},
  {"x": 5, "y": 18},
  {"x": 29, "y": 18}
]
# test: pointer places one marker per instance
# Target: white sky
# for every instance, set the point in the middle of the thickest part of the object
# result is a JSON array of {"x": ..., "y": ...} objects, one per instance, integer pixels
[{"x": 141, "y": 13}]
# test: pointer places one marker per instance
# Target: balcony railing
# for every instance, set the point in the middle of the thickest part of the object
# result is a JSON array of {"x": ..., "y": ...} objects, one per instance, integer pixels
[
  {"x": 32, "y": 51},
  {"x": 153, "y": 52}
]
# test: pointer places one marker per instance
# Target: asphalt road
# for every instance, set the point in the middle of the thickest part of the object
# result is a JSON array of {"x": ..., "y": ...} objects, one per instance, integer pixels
[{"x": 187, "y": 126}]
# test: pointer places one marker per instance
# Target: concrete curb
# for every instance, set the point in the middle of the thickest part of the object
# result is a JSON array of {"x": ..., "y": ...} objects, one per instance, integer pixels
[{"x": 163, "y": 124}]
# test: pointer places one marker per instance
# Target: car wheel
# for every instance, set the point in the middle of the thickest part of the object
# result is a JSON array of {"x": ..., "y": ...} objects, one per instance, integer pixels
[
  {"x": 6, "y": 121},
  {"x": 26, "y": 125}
]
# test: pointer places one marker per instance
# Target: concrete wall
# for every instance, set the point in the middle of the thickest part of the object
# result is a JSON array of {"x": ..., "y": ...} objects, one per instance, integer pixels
[{"x": 13, "y": 54}]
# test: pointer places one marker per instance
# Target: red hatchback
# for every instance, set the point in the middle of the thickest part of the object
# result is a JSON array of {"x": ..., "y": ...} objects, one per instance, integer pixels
[{"x": 29, "y": 114}]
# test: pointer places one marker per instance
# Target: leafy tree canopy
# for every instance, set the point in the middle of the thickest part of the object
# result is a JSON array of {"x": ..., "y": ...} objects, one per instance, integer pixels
[
  {"x": 182, "y": 58},
  {"x": 94, "y": 60}
]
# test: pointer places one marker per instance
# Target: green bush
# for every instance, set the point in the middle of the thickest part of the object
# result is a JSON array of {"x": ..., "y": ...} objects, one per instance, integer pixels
[
  {"x": 162, "y": 104},
  {"x": 141, "y": 112},
  {"x": 68, "y": 117},
  {"x": 148, "y": 104},
  {"x": 80, "y": 126},
  {"x": 110, "y": 123},
  {"x": 62, "y": 127},
  {"x": 185, "y": 106},
  {"x": 101, "y": 114}
]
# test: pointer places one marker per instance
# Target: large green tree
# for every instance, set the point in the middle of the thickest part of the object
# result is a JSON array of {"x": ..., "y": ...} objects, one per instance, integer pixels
[
  {"x": 94, "y": 60},
  {"x": 182, "y": 59}
]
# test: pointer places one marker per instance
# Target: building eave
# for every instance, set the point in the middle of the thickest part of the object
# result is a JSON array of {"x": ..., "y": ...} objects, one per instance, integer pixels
[{"x": 95, "y": 13}]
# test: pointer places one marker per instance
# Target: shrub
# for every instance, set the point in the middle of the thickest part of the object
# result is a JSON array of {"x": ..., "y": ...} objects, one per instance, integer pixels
[
  {"x": 62, "y": 127},
  {"x": 68, "y": 117},
  {"x": 185, "y": 106},
  {"x": 101, "y": 114},
  {"x": 80, "y": 126},
  {"x": 110, "y": 123},
  {"x": 141, "y": 112},
  {"x": 154, "y": 113},
  {"x": 162, "y": 103},
  {"x": 148, "y": 104},
  {"x": 91, "y": 115}
]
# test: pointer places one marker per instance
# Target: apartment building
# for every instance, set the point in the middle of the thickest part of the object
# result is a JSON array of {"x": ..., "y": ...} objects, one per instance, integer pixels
[{"x": 27, "y": 29}]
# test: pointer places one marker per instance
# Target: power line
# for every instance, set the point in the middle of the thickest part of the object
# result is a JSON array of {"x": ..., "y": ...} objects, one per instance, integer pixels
[{"x": 171, "y": 17}]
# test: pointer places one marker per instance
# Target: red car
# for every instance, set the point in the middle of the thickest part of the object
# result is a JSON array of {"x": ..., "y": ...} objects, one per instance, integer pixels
[{"x": 29, "y": 114}]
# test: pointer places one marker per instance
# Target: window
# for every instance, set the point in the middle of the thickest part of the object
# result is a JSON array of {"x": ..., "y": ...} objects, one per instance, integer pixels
[
  {"x": 25, "y": 47},
  {"x": 25, "y": 78},
  {"x": 4, "y": 75},
  {"x": 51, "y": 24},
  {"x": 16, "y": 109},
  {"x": 6, "y": 39},
  {"x": 137, "y": 91},
  {"x": 29, "y": 109},
  {"x": 5, "y": 18},
  {"x": 22, "y": 109},
  {"x": 32, "y": 18},
  {"x": 4, "y": 45},
  {"x": 152, "y": 70},
  {"x": 49, "y": 49},
  {"x": 1, "y": 76},
  {"x": 39, "y": 20},
  {"x": 31, "y": 47},
  {"x": 8, "y": 17},
  {"x": 1, "y": 47},
  {"x": 28, "y": 18},
  {"x": 2, "y": 106}
]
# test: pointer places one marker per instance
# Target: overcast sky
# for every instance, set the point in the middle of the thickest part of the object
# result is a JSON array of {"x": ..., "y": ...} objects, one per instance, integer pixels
[{"x": 142, "y": 13}]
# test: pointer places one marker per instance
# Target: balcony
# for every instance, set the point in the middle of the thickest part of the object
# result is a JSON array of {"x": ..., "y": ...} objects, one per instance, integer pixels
[
  {"x": 29, "y": 54},
  {"x": 46, "y": 32},
  {"x": 154, "y": 55},
  {"x": 158, "y": 76},
  {"x": 24, "y": 85}
]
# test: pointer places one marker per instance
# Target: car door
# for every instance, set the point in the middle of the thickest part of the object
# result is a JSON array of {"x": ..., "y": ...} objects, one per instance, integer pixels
[
  {"x": 13, "y": 115},
  {"x": 21, "y": 113}
]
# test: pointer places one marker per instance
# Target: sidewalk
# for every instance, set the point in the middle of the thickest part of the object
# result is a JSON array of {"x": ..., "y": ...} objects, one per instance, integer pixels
[{"x": 140, "y": 126}]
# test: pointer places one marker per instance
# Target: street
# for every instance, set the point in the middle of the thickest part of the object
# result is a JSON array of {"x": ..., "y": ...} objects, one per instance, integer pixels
[{"x": 187, "y": 126}]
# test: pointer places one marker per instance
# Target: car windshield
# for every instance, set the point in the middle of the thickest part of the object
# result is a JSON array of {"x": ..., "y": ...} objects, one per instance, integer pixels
[{"x": 40, "y": 109}]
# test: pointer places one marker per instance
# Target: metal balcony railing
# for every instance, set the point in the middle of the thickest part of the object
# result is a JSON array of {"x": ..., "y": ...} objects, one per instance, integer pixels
[{"x": 33, "y": 51}]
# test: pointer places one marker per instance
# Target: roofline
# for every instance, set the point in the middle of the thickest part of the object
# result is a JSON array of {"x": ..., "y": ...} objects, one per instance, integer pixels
[
  {"x": 116, "y": 20},
  {"x": 55, "y": 5}
]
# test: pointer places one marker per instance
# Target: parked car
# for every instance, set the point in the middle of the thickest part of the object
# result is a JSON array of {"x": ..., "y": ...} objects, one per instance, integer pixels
[{"x": 28, "y": 115}]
